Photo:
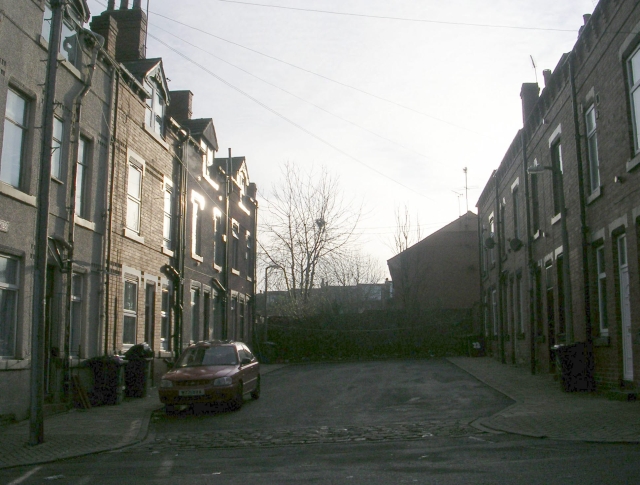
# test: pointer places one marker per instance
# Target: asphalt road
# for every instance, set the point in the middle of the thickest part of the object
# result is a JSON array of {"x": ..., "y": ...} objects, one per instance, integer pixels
[{"x": 357, "y": 423}]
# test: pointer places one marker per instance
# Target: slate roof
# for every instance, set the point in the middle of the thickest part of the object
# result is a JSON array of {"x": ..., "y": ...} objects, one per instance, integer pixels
[{"x": 203, "y": 127}]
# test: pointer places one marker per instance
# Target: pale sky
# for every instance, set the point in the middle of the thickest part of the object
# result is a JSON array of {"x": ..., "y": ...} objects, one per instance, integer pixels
[{"x": 401, "y": 106}]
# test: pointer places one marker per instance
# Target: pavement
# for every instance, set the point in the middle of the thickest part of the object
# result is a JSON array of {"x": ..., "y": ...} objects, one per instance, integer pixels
[
  {"x": 81, "y": 432},
  {"x": 541, "y": 409}
]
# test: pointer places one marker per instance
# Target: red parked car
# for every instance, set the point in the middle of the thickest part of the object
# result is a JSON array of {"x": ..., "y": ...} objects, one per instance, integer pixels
[{"x": 211, "y": 372}]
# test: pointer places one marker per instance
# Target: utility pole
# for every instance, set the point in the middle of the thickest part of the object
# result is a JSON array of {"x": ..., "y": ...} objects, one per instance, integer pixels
[
  {"x": 36, "y": 417},
  {"x": 466, "y": 188}
]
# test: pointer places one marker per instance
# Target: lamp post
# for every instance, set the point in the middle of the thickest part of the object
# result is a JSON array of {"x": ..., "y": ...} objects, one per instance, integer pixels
[{"x": 566, "y": 274}]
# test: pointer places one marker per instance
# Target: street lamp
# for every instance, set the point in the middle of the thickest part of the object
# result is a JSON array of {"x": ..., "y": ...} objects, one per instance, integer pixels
[{"x": 566, "y": 274}]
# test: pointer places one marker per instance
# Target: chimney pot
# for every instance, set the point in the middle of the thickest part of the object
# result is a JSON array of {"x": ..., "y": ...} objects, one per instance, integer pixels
[
  {"x": 546, "y": 74},
  {"x": 586, "y": 18},
  {"x": 111, "y": 5},
  {"x": 124, "y": 4}
]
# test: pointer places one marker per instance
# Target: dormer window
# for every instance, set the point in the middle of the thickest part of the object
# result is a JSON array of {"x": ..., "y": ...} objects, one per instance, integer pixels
[
  {"x": 154, "y": 117},
  {"x": 69, "y": 46},
  {"x": 208, "y": 164}
]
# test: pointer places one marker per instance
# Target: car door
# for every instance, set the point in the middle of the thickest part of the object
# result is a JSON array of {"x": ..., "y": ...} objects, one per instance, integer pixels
[{"x": 249, "y": 370}]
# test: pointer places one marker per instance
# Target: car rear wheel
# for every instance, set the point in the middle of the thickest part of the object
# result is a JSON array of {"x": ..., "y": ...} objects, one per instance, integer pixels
[
  {"x": 255, "y": 394},
  {"x": 238, "y": 400}
]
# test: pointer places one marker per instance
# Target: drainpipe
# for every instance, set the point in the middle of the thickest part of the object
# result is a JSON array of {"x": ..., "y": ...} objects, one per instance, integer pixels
[
  {"x": 530, "y": 264},
  {"x": 106, "y": 267},
  {"x": 99, "y": 42},
  {"x": 499, "y": 251},
  {"x": 584, "y": 229},
  {"x": 178, "y": 279}
]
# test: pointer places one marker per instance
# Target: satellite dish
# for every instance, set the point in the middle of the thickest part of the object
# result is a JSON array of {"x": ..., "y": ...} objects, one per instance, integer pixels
[
  {"x": 490, "y": 243},
  {"x": 516, "y": 244}
]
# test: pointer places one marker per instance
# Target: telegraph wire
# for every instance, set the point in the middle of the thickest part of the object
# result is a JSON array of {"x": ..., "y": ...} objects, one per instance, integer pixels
[
  {"x": 402, "y": 19},
  {"x": 326, "y": 78},
  {"x": 281, "y": 116},
  {"x": 295, "y": 95}
]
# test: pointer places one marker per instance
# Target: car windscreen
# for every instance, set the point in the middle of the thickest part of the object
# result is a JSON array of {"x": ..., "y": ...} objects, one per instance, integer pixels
[{"x": 223, "y": 355}]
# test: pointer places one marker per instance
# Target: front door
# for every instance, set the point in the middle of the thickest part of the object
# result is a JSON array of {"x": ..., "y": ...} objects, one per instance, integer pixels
[
  {"x": 150, "y": 313},
  {"x": 625, "y": 310}
]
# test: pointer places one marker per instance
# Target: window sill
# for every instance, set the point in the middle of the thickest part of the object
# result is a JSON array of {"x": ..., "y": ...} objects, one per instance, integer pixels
[
  {"x": 602, "y": 341},
  {"x": 44, "y": 43},
  {"x": 56, "y": 180},
  {"x": 555, "y": 219},
  {"x": 633, "y": 162},
  {"x": 217, "y": 267},
  {"x": 244, "y": 209},
  {"x": 128, "y": 233},
  {"x": 85, "y": 223},
  {"x": 235, "y": 272},
  {"x": 167, "y": 252},
  {"x": 14, "y": 364},
  {"x": 249, "y": 279},
  {"x": 536, "y": 235},
  {"x": 197, "y": 257},
  {"x": 156, "y": 137},
  {"x": 71, "y": 68},
  {"x": 594, "y": 195},
  {"x": 212, "y": 182},
  {"x": 17, "y": 194}
]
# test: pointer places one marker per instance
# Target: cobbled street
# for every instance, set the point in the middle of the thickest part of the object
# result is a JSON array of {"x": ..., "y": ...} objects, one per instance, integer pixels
[{"x": 338, "y": 403}]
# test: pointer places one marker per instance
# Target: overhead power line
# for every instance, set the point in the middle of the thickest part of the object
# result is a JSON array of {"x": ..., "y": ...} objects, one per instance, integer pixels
[
  {"x": 326, "y": 78},
  {"x": 402, "y": 19},
  {"x": 294, "y": 95},
  {"x": 283, "y": 117}
]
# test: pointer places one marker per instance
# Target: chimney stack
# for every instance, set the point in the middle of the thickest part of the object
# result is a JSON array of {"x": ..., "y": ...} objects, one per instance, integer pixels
[
  {"x": 124, "y": 30},
  {"x": 529, "y": 95},
  {"x": 107, "y": 27},
  {"x": 180, "y": 107},
  {"x": 585, "y": 19}
]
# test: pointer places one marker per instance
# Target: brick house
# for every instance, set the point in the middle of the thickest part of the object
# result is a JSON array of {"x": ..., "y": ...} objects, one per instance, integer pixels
[
  {"x": 559, "y": 217},
  {"x": 441, "y": 271},
  {"x": 436, "y": 283},
  {"x": 241, "y": 230},
  {"x": 77, "y": 196},
  {"x": 126, "y": 247}
]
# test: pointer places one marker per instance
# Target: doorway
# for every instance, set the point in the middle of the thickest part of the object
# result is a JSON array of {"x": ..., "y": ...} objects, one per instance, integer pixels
[{"x": 625, "y": 309}]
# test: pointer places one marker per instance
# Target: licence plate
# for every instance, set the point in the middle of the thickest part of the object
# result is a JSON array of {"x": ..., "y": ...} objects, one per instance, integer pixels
[{"x": 191, "y": 392}]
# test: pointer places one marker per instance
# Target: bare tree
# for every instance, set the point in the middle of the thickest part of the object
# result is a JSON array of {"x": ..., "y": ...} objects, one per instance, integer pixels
[
  {"x": 352, "y": 268},
  {"x": 307, "y": 221},
  {"x": 406, "y": 234}
]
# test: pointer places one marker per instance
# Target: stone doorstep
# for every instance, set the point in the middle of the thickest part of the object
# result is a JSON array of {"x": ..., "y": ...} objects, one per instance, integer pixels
[
  {"x": 622, "y": 394},
  {"x": 55, "y": 408}
]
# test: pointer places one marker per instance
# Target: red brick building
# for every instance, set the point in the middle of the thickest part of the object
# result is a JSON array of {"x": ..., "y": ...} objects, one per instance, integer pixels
[
  {"x": 441, "y": 271},
  {"x": 559, "y": 217},
  {"x": 437, "y": 282}
]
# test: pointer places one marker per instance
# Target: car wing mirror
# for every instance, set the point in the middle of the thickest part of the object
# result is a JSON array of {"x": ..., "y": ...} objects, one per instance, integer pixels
[{"x": 245, "y": 361}]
